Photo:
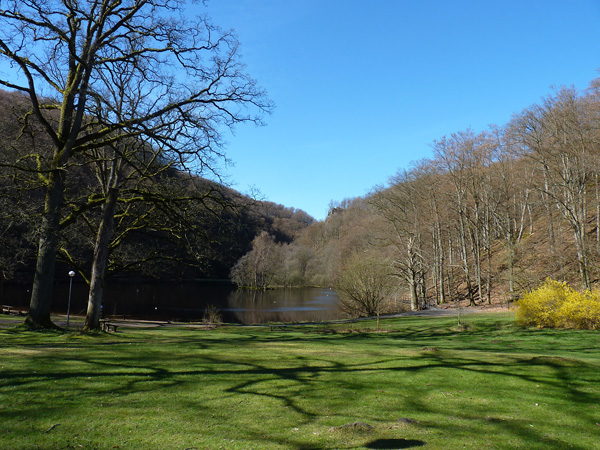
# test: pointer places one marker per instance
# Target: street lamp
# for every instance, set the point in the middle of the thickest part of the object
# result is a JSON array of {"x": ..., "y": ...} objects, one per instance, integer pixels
[{"x": 71, "y": 275}]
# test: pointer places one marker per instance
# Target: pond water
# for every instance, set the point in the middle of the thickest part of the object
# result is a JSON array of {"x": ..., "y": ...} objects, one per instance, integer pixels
[{"x": 187, "y": 301}]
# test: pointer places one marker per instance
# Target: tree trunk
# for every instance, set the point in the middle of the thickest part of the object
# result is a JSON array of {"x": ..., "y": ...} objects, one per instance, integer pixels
[
  {"x": 439, "y": 265},
  {"x": 475, "y": 241},
  {"x": 465, "y": 258},
  {"x": 452, "y": 291},
  {"x": 100, "y": 264},
  {"x": 43, "y": 282},
  {"x": 549, "y": 210},
  {"x": 487, "y": 238},
  {"x": 412, "y": 287},
  {"x": 511, "y": 262},
  {"x": 488, "y": 287},
  {"x": 423, "y": 289},
  {"x": 2, "y": 277},
  {"x": 412, "y": 278},
  {"x": 597, "y": 212},
  {"x": 581, "y": 248}
]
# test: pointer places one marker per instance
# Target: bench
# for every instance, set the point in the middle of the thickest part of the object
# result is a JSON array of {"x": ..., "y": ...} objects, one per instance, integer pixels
[
  {"x": 105, "y": 325},
  {"x": 11, "y": 310}
]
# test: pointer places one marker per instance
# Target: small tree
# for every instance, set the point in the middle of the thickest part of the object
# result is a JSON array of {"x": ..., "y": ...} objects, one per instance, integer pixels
[
  {"x": 257, "y": 268},
  {"x": 364, "y": 286}
]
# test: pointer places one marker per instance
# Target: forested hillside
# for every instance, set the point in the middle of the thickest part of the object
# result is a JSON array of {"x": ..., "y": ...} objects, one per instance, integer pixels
[
  {"x": 490, "y": 215},
  {"x": 173, "y": 225}
]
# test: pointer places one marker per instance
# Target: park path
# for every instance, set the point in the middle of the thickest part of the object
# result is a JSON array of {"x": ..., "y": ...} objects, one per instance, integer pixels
[{"x": 77, "y": 321}]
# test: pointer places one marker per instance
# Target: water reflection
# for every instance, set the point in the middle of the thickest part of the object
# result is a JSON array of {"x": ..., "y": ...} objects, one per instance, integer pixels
[
  {"x": 187, "y": 301},
  {"x": 282, "y": 305}
]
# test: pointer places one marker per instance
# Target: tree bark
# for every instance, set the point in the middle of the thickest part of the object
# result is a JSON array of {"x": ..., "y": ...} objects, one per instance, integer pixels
[
  {"x": 41, "y": 293},
  {"x": 465, "y": 258},
  {"x": 412, "y": 287},
  {"x": 2, "y": 277},
  {"x": 100, "y": 264}
]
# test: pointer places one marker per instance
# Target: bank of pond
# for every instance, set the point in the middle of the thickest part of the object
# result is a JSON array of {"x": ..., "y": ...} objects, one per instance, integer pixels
[{"x": 189, "y": 301}]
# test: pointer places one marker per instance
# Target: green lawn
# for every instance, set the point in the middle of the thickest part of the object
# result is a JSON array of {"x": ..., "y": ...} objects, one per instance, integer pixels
[{"x": 493, "y": 386}]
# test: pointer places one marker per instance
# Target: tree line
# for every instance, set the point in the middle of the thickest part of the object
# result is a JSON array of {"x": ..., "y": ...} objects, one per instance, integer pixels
[{"x": 490, "y": 215}]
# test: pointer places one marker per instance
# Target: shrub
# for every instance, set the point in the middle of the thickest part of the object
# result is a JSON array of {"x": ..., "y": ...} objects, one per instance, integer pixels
[
  {"x": 212, "y": 315},
  {"x": 582, "y": 313},
  {"x": 364, "y": 286},
  {"x": 556, "y": 305}
]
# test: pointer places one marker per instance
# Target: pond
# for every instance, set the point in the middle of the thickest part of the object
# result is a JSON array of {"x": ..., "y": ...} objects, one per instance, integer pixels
[{"x": 187, "y": 301}]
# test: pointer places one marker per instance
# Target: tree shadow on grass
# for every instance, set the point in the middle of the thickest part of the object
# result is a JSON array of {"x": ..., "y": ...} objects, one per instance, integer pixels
[
  {"x": 392, "y": 444},
  {"x": 293, "y": 380}
]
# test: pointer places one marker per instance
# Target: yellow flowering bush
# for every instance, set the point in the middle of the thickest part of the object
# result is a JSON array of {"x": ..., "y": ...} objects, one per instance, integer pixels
[{"x": 556, "y": 305}]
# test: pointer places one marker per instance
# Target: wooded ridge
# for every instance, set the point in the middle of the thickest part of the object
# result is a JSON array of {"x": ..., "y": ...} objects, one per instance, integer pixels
[{"x": 491, "y": 215}]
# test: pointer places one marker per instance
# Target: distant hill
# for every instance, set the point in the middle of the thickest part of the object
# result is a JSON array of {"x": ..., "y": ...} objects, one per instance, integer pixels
[{"x": 198, "y": 239}]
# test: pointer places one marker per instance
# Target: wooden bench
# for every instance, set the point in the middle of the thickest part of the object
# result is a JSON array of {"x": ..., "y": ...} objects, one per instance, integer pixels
[
  {"x": 105, "y": 325},
  {"x": 6, "y": 309}
]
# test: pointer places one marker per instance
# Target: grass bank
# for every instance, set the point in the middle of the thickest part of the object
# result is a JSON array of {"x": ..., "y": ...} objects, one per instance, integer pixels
[{"x": 420, "y": 384}]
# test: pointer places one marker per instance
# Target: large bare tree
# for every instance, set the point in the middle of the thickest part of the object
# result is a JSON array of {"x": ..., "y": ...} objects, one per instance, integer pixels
[
  {"x": 185, "y": 83},
  {"x": 402, "y": 207}
]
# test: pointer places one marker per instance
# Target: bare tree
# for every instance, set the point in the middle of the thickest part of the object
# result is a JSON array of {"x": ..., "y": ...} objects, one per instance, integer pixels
[
  {"x": 512, "y": 182},
  {"x": 401, "y": 205},
  {"x": 187, "y": 77},
  {"x": 459, "y": 156},
  {"x": 558, "y": 136},
  {"x": 364, "y": 286}
]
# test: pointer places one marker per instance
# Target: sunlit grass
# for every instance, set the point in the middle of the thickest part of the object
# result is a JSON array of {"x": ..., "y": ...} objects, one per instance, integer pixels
[{"x": 418, "y": 382}]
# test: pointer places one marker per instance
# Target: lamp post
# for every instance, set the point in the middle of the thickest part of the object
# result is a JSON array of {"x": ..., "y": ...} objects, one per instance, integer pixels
[{"x": 71, "y": 275}]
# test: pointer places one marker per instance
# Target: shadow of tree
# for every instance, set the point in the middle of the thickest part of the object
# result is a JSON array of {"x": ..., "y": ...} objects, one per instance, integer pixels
[
  {"x": 308, "y": 370},
  {"x": 392, "y": 444}
]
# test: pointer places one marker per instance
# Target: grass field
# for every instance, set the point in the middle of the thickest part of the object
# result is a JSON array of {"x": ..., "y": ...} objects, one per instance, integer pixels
[{"x": 420, "y": 383}]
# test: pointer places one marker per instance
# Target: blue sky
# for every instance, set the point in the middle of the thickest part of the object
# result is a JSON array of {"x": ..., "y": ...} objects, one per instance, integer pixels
[{"x": 363, "y": 88}]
